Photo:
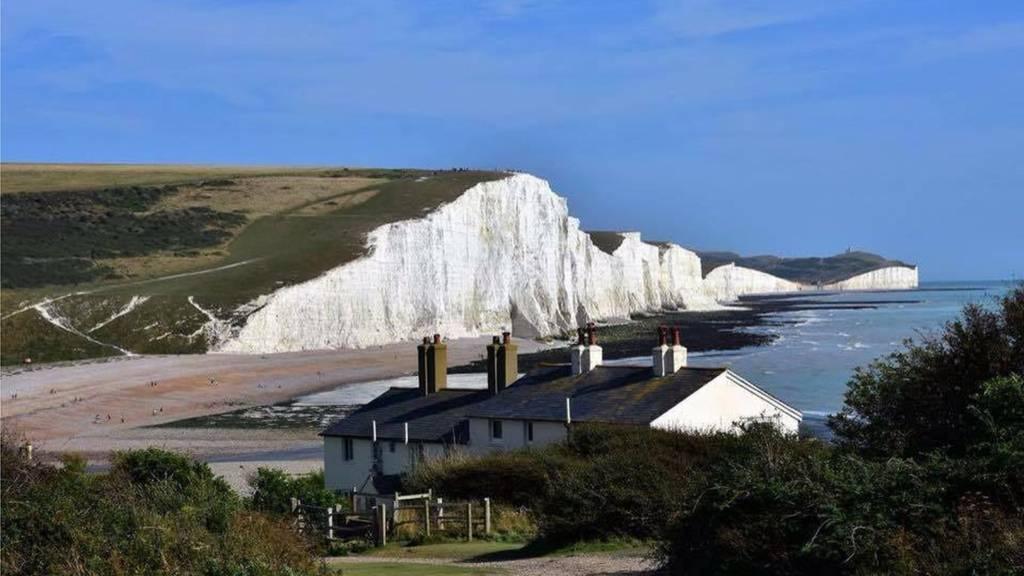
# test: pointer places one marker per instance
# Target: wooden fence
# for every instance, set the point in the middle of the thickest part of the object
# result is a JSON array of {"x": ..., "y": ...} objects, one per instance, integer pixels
[{"x": 401, "y": 517}]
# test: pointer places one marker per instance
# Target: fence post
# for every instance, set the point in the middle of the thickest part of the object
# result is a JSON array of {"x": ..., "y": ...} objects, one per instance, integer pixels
[
  {"x": 426, "y": 516},
  {"x": 330, "y": 522},
  {"x": 354, "y": 510},
  {"x": 440, "y": 513},
  {"x": 394, "y": 509},
  {"x": 382, "y": 525},
  {"x": 297, "y": 511},
  {"x": 487, "y": 515},
  {"x": 469, "y": 521}
]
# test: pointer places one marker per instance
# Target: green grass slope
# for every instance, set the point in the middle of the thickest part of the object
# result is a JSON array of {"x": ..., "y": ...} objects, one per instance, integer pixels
[
  {"x": 811, "y": 270},
  {"x": 137, "y": 256}
]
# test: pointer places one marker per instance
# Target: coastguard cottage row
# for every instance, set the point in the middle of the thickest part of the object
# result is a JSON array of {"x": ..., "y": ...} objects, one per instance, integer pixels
[{"x": 368, "y": 451}]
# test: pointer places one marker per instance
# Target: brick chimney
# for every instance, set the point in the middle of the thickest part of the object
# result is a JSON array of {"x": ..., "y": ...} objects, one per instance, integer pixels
[
  {"x": 659, "y": 352},
  {"x": 437, "y": 365},
  {"x": 675, "y": 358},
  {"x": 508, "y": 361},
  {"x": 502, "y": 363}
]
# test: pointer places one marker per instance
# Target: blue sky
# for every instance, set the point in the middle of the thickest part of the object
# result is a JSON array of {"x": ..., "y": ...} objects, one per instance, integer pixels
[{"x": 790, "y": 127}]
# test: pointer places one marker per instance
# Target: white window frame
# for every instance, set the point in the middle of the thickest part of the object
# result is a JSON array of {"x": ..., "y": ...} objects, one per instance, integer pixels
[{"x": 348, "y": 449}]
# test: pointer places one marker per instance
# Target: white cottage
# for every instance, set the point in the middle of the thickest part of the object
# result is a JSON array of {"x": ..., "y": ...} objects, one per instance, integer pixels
[{"x": 368, "y": 450}]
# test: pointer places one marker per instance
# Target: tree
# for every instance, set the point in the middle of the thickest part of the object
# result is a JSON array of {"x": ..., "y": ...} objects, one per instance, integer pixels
[{"x": 916, "y": 400}]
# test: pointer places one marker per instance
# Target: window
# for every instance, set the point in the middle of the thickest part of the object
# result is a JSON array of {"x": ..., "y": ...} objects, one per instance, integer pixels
[
  {"x": 348, "y": 452},
  {"x": 495, "y": 429},
  {"x": 391, "y": 447},
  {"x": 529, "y": 431},
  {"x": 416, "y": 453}
]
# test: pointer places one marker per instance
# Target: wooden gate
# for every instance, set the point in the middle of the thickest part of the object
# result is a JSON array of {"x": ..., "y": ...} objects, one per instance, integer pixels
[{"x": 402, "y": 517}]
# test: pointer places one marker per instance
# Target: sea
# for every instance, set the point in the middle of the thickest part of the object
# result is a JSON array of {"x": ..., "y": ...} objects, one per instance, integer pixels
[{"x": 815, "y": 352}]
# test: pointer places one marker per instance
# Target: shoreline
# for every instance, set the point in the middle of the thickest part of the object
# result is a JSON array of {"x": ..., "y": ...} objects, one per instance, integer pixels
[
  {"x": 713, "y": 331},
  {"x": 64, "y": 407}
]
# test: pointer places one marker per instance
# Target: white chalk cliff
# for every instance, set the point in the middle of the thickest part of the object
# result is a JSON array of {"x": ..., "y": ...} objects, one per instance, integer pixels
[
  {"x": 728, "y": 282},
  {"x": 890, "y": 278},
  {"x": 504, "y": 254}
]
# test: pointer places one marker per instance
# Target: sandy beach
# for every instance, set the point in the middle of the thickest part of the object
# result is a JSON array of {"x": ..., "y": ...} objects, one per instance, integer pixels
[{"x": 95, "y": 407}]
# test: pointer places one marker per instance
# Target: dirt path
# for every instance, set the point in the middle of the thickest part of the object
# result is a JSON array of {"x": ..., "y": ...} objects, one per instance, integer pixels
[
  {"x": 579, "y": 565},
  {"x": 66, "y": 407}
]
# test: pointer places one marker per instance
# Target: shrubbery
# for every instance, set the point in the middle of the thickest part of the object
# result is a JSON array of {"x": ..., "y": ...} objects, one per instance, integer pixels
[
  {"x": 918, "y": 399},
  {"x": 273, "y": 490},
  {"x": 785, "y": 506},
  {"x": 153, "y": 513},
  {"x": 604, "y": 483},
  {"x": 514, "y": 478}
]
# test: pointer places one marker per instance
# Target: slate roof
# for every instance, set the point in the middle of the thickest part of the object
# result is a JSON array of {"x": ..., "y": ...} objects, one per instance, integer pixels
[
  {"x": 613, "y": 394},
  {"x": 438, "y": 417}
]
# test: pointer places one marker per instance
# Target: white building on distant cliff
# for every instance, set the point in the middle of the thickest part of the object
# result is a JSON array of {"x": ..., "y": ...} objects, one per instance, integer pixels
[{"x": 368, "y": 450}]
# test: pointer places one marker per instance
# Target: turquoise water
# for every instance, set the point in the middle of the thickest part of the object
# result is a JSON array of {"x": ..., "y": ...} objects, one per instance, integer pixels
[{"x": 810, "y": 363}]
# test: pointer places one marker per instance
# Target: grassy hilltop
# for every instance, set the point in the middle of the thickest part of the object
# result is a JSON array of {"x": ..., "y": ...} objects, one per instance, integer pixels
[{"x": 93, "y": 237}]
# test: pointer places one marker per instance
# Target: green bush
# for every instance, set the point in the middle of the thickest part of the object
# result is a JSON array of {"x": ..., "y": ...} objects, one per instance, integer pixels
[
  {"x": 788, "y": 506},
  {"x": 514, "y": 478},
  {"x": 606, "y": 482},
  {"x": 616, "y": 483},
  {"x": 927, "y": 476},
  {"x": 153, "y": 513},
  {"x": 273, "y": 489},
  {"x": 916, "y": 399}
]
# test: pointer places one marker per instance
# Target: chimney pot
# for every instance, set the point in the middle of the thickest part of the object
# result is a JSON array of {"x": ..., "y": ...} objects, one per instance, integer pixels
[
  {"x": 495, "y": 340},
  {"x": 591, "y": 334},
  {"x": 675, "y": 337},
  {"x": 506, "y": 337},
  {"x": 437, "y": 338}
]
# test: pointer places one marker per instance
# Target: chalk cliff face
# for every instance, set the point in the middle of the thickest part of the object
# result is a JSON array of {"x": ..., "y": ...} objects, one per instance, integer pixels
[
  {"x": 729, "y": 282},
  {"x": 505, "y": 254},
  {"x": 893, "y": 277}
]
